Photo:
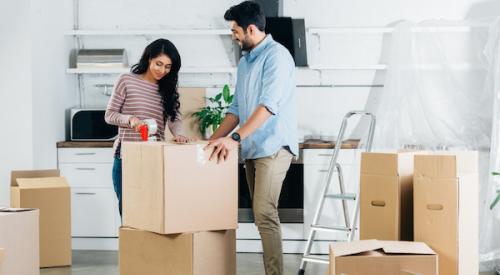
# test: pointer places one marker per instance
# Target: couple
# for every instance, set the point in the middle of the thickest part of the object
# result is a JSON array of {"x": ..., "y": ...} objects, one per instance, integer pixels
[{"x": 263, "y": 108}]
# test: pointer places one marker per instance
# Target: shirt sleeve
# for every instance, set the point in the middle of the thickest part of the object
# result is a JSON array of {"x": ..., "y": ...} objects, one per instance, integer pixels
[
  {"x": 277, "y": 73},
  {"x": 113, "y": 113},
  {"x": 175, "y": 126},
  {"x": 233, "y": 108}
]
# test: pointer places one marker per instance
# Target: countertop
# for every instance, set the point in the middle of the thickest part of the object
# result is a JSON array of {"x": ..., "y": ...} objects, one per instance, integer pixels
[{"x": 308, "y": 144}]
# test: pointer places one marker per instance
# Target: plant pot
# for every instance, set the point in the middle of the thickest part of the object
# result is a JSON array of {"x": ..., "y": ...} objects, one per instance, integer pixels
[{"x": 208, "y": 133}]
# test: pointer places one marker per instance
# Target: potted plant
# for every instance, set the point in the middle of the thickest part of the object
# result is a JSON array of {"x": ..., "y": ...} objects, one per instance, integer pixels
[{"x": 211, "y": 116}]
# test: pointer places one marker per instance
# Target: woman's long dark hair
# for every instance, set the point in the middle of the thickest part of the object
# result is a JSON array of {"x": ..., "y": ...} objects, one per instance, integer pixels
[{"x": 168, "y": 84}]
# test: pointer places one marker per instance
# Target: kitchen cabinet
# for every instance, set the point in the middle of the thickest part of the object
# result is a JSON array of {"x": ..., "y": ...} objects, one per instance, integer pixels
[{"x": 94, "y": 208}]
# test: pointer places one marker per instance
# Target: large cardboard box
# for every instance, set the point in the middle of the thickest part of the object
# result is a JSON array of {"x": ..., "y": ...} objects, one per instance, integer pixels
[
  {"x": 19, "y": 237},
  {"x": 204, "y": 253},
  {"x": 170, "y": 188},
  {"x": 446, "y": 209},
  {"x": 386, "y": 196},
  {"x": 47, "y": 191},
  {"x": 1, "y": 260},
  {"x": 382, "y": 258}
]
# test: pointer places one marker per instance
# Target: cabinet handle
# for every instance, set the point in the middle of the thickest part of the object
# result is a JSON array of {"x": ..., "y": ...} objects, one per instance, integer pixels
[
  {"x": 84, "y": 193},
  {"x": 85, "y": 168},
  {"x": 84, "y": 154},
  {"x": 323, "y": 170},
  {"x": 325, "y": 155}
]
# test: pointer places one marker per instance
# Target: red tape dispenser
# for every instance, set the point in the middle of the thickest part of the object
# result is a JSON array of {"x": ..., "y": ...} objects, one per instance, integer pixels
[{"x": 148, "y": 130}]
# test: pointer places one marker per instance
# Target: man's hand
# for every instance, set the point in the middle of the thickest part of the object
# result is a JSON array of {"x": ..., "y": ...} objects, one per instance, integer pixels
[{"x": 222, "y": 147}]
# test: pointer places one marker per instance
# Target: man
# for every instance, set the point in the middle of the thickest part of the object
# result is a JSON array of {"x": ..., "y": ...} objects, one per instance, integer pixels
[{"x": 264, "y": 109}]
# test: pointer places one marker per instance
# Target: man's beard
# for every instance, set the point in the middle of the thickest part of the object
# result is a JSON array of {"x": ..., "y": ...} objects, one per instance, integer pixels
[{"x": 246, "y": 45}]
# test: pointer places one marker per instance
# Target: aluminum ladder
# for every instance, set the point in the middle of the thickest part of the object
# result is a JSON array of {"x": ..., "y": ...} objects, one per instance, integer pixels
[{"x": 350, "y": 224}]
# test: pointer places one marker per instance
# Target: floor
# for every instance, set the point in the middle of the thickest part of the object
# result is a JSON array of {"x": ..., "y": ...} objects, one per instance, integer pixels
[{"x": 105, "y": 263}]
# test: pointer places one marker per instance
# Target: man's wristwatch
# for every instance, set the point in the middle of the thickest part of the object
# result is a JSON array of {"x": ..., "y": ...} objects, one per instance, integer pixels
[{"x": 236, "y": 137}]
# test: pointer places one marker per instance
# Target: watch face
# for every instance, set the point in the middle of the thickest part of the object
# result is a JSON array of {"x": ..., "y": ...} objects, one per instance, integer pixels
[{"x": 235, "y": 136}]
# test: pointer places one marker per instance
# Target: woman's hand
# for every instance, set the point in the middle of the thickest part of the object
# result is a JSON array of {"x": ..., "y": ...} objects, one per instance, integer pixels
[
  {"x": 182, "y": 139},
  {"x": 135, "y": 123}
]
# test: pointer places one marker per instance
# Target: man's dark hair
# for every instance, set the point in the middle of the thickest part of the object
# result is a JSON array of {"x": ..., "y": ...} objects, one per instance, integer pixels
[{"x": 247, "y": 13}]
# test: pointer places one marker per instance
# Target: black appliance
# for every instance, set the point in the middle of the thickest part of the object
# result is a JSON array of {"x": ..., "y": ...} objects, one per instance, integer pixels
[
  {"x": 89, "y": 125},
  {"x": 291, "y": 202},
  {"x": 291, "y": 33}
]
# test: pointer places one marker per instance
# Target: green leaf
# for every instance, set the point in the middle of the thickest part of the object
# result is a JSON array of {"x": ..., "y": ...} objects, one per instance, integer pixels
[
  {"x": 495, "y": 173},
  {"x": 226, "y": 93},
  {"x": 494, "y": 203},
  {"x": 218, "y": 97}
]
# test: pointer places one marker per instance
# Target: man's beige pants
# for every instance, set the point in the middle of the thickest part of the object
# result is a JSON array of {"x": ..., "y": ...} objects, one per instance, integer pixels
[{"x": 265, "y": 177}]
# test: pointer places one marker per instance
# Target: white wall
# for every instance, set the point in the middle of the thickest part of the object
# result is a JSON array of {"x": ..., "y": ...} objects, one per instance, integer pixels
[
  {"x": 53, "y": 89},
  {"x": 16, "y": 146}
]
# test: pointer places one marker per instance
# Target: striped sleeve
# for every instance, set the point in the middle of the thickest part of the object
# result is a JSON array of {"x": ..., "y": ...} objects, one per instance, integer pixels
[
  {"x": 175, "y": 126},
  {"x": 114, "y": 113}
]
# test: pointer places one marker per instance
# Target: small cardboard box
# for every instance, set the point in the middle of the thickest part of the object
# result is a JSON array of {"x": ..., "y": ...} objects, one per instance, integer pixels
[
  {"x": 19, "y": 237},
  {"x": 386, "y": 196},
  {"x": 47, "y": 191},
  {"x": 170, "y": 188},
  {"x": 446, "y": 209},
  {"x": 204, "y": 253},
  {"x": 382, "y": 258}
]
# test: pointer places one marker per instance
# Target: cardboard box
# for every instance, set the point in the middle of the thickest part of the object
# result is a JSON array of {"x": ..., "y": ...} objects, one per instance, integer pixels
[
  {"x": 170, "y": 188},
  {"x": 47, "y": 191},
  {"x": 19, "y": 237},
  {"x": 204, "y": 253},
  {"x": 446, "y": 209},
  {"x": 386, "y": 196},
  {"x": 1, "y": 260},
  {"x": 382, "y": 258}
]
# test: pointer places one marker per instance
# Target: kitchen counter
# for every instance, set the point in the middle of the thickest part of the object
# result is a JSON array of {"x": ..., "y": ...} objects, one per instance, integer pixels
[{"x": 309, "y": 144}]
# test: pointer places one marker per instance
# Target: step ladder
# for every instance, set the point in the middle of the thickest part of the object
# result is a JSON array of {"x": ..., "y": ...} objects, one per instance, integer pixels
[{"x": 349, "y": 226}]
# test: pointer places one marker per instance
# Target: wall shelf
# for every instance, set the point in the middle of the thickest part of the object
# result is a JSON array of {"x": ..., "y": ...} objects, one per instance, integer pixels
[
  {"x": 189, "y": 70},
  {"x": 380, "y": 30},
  {"x": 148, "y": 32}
]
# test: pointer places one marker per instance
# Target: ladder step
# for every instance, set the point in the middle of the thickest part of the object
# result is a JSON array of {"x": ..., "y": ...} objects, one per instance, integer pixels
[
  {"x": 330, "y": 228},
  {"x": 316, "y": 259},
  {"x": 346, "y": 196}
]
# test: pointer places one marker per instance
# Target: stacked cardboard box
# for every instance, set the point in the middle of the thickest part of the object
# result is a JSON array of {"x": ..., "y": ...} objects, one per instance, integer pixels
[
  {"x": 19, "y": 236},
  {"x": 179, "y": 210},
  {"x": 446, "y": 209},
  {"x": 48, "y": 191},
  {"x": 386, "y": 196}
]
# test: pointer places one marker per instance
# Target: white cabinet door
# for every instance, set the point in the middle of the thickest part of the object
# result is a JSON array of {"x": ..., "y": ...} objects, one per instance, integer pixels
[
  {"x": 94, "y": 212},
  {"x": 87, "y": 174},
  {"x": 315, "y": 175}
]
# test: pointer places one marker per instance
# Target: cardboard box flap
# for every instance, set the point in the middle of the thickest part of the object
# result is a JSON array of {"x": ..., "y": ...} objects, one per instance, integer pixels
[
  {"x": 56, "y": 182},
  {"x": 387, "y": 163},
  {"x": 417, "y": 248},
  {"x": 14, "y": 175},
  {"x": 446, "y": 164},
  {"x": 352, "y": 248}
]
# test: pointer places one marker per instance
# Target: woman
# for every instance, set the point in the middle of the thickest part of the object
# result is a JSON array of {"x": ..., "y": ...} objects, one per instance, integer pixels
[{"x": 149, "y": 91}]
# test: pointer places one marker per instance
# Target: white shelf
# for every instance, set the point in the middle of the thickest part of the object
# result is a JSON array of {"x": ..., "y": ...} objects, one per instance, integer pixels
[
  {"x": 348, "y": 67},
  {"x": 378, "y": 30},
  {"x": 149, "y": 32},
  {"x": 192, "y": 70}
]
